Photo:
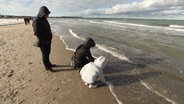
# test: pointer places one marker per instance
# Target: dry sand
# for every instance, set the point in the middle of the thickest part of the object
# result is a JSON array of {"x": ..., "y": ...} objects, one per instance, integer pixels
[{"x": 23, "y": 79}]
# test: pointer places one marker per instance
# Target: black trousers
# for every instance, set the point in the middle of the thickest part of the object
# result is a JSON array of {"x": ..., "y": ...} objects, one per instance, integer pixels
[{"x": 45, "y": 50}]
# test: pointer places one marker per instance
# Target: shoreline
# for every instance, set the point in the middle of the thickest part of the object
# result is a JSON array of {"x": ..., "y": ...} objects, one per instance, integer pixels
[{"x": 23, "y": 77}]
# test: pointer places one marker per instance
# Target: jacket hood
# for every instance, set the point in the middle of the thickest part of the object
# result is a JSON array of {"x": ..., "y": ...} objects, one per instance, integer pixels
[
  {"x": 43, "y": 11},
  {"x": 89, "y": 43},
  {"x": 100, "y": 62}
]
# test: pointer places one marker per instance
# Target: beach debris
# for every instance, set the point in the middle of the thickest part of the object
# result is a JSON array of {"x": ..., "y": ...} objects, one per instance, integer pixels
[
  {"x": 21, "y": 102},
  {"x": 57, "y": 89},
  {"x": 29, "y": 63},
  {"x": 30, "y": 80},
  {"x": 10, "y": 74},
  {"x": 23, "y": 86}
]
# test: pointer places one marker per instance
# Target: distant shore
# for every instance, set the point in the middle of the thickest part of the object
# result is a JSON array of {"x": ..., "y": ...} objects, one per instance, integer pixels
[{"x": 10, "y": 21}]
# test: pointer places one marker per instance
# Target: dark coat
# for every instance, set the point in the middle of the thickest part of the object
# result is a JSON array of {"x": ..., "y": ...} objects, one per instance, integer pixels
[
  {"x": 82, "y": 54},
  {"x": 41, "y": 26}
]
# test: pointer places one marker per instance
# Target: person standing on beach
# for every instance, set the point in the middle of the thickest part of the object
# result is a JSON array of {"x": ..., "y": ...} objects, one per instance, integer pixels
[
  {"x": 82, "y": 55},
  {"x": 25, "y": 20},
  {"x": 43, "y": 32}
]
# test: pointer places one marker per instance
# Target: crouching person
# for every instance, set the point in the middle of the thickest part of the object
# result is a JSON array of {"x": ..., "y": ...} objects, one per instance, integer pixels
[
  {"x": 82, "y": 55},
  {"x": 92, "y": 71}
]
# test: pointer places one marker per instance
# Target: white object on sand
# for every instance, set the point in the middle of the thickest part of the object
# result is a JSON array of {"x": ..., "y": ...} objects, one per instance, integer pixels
[{"x": 93, "y": 70}]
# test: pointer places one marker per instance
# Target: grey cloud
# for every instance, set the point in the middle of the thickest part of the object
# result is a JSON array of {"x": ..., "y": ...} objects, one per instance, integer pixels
[
  {"x": 95, "y": 7},
  {"x": 144, "y": 8}
]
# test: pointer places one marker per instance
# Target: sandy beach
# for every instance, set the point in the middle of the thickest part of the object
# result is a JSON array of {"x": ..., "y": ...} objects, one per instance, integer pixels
[{"x": 23, "y": 79}]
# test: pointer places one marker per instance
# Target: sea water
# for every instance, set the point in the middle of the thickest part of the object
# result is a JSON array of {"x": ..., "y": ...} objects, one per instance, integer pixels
[{"x": 148, "y": 51}]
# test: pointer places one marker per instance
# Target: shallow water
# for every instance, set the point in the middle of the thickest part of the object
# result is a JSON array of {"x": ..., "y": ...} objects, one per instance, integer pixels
[{"x": 146, "y": 51}]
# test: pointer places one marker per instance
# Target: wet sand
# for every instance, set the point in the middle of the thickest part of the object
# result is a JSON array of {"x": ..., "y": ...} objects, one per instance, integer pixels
[{"x": 23, "y": 79}]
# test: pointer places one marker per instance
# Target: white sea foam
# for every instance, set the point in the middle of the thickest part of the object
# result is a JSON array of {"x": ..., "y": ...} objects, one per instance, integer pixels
[
  {"x": 123, "y": 25},
  {"x": 113, "y": 53},
  {"x": 177, "y": 26},
  {"x": 171, "y": 27},
  {"x": 96, "y": 22},
  {"x": 83, "y": 20},
  {"x": 75, "y": 35},
  {"x": 66, "y": 46},
  {"x": 111, "y": 88},
  {"x": 130, "y": 24},
  {"x": 180, "y": 71},
  {"x": 150, "y": 88}
]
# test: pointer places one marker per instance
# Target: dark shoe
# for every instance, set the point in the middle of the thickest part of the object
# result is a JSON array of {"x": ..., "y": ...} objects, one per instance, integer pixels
[
  {"x": 53, "y": 65},
  {"x": 49, "y": 69}
]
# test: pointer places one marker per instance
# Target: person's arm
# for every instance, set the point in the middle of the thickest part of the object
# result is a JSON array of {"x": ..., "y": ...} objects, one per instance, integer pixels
[
  {"x": 89, "y": 56},
  {"x": 38, "y": 28},
  {"x": 39, "y": 31}
]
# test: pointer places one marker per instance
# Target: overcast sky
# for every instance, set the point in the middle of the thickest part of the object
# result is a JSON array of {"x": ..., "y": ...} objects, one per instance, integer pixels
[{"x": 108, "y": 8}]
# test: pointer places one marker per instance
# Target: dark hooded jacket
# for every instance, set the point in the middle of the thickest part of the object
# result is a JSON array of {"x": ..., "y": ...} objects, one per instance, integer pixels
[
  {"x": 41, "y": 26},
  {"x": 82, "y": 54}
]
